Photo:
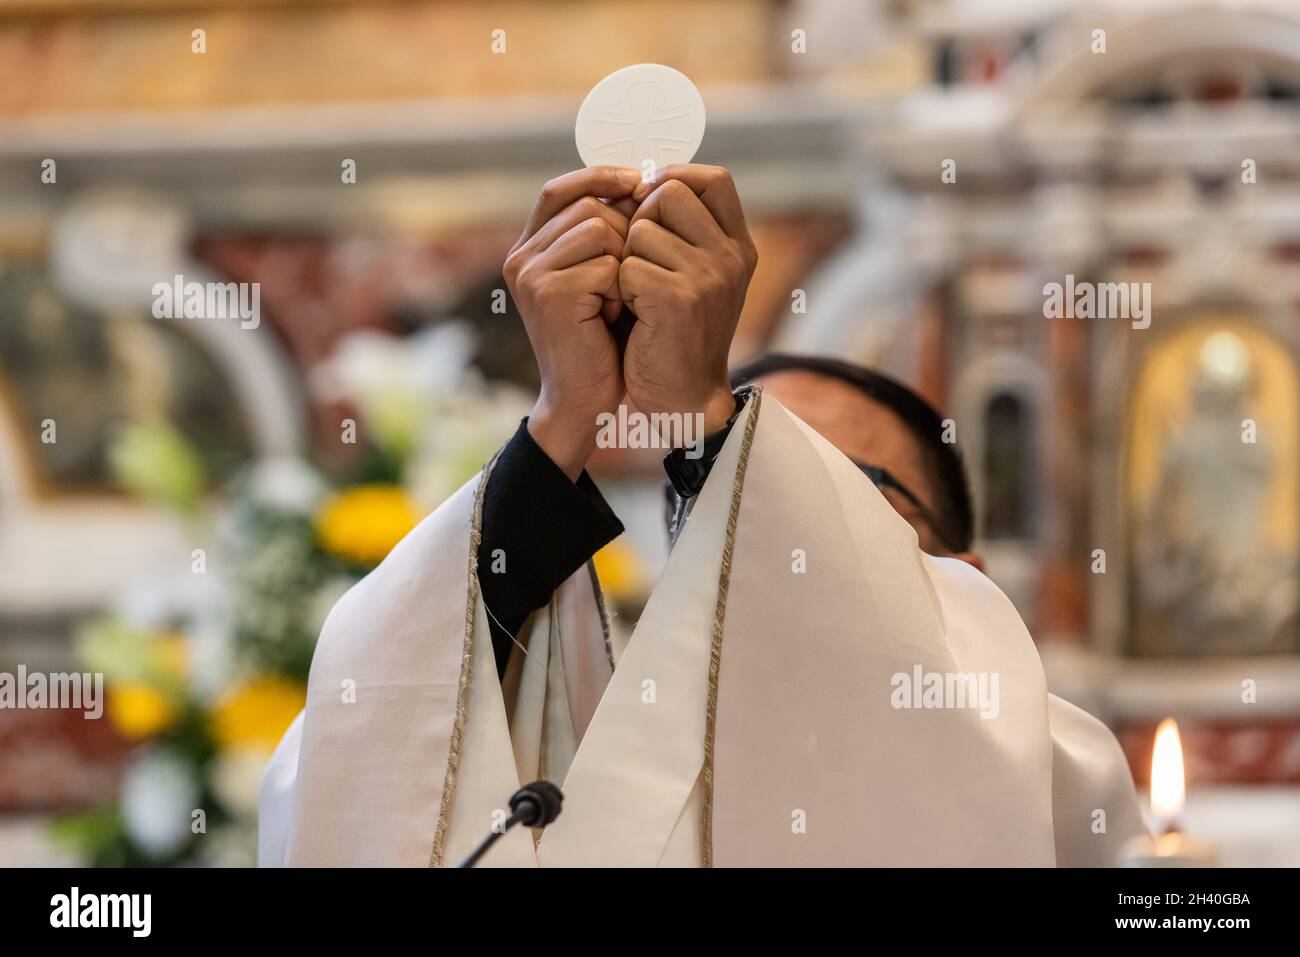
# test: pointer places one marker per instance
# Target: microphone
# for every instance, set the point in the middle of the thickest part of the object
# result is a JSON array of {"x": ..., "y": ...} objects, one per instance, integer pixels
[{"x": 533, "y": 805}]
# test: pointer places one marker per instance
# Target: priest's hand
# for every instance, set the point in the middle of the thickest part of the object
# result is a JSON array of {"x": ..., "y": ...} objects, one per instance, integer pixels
[
  {"x": 563, "y": 274},
  {"x": 686, "y": 267}
]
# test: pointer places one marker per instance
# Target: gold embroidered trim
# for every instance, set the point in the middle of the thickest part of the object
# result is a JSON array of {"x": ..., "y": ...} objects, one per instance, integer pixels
[
  {"x": 719, "y": 619},
  {"x": 600, "y": 608},
  {"x": 466, "y": 676}
]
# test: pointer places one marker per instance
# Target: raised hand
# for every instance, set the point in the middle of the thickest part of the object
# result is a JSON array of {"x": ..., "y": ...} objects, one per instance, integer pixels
[
  {"x": 563, "y": 274},
  {"x": 687, "y": 262}
]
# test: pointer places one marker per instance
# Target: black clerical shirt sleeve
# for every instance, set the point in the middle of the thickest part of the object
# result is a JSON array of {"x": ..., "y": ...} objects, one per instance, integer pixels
[{"x": 538, "y": 529}]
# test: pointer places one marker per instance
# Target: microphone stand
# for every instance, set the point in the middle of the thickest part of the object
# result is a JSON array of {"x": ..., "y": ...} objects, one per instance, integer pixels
[{"x": 534, "y": 805}]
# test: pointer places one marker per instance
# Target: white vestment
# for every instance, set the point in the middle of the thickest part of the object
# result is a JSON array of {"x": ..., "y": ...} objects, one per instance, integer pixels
[{"x": 754, "y": 717}]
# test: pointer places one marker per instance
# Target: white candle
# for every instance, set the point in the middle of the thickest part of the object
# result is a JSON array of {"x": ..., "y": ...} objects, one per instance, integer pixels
[{"x": 1171, "y": 848}]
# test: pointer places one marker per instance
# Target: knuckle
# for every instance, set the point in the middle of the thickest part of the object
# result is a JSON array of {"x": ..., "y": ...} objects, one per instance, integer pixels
[
  {"x": 675, "y": 189},
  {"x": 529, "y": 277},
  {"x": 717, "y": 174},
  {"x": 549, "y": 189},
  {"x": 748, "y": 254},
  {"x": 733, "y": 260},
  {"x": 714, "y": 284},
  {"x": 591, "y": 228},
  {"x": 630, "y": 270},
  {"x": 589, "y": 207},
  {"x": 640, "y": 230},
  {"x": 688, "y": 295}
]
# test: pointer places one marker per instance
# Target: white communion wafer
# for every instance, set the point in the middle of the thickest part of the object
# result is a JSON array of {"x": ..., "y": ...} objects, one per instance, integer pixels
[{"x": 647, "y": 116}]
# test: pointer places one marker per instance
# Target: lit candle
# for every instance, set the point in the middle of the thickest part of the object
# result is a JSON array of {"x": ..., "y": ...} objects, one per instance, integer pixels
[{"x": 1171, "y": 847}]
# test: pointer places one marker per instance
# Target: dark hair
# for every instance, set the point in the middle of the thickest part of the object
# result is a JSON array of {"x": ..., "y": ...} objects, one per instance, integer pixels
[{"x": 954, "y": 508}]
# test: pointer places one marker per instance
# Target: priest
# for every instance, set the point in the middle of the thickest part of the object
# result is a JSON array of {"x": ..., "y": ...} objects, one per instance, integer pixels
[{"x": 821, "y": 676}]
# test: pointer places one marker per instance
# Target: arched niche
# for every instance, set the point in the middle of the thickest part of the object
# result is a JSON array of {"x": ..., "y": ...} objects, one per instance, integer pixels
[
  {"x": 992, "y": 382},
  {"x": 1210, "y": 480},
  {"x": 1138, "y": 402}
]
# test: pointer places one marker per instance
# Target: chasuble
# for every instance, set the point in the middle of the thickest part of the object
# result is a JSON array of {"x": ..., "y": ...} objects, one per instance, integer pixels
[{"x": 752, "y": 718}]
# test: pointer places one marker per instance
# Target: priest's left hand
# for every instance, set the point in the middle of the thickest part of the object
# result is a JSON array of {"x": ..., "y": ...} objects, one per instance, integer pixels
[{"x": 686, "y": 267}]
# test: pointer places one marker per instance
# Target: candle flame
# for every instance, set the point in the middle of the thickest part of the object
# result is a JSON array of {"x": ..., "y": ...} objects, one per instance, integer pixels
[{"x": 1168, "y": 784}]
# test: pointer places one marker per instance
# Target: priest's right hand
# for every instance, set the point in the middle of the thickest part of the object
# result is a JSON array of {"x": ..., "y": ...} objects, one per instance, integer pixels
[{"x": 563, "y": 276}]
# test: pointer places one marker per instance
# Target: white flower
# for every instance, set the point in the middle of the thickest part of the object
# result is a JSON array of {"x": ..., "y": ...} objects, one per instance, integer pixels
[
  {"x": 286, "y": 483},
  {"x": 398, "y": 384},
  {"x": 427, "y": 365},
  {"x": 441, "y": 358},
  {"x": 159, "y": 795},
  {"x": 237, "y": 779},
  {"x": 211, "y": 651},
  {"x": 163, "y": 601},
  {"x": 457, "y": 443}
]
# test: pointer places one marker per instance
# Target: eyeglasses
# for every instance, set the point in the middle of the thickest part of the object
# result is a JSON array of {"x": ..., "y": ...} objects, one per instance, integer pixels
[{"x": 881, "y": 478}]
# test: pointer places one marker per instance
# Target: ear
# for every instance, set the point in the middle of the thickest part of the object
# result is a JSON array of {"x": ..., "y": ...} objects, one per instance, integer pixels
[{"x": 970, "y": 558}]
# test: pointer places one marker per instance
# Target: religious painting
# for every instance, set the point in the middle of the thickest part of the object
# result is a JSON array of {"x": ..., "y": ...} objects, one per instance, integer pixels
[{"x": 1212, "y": 470}]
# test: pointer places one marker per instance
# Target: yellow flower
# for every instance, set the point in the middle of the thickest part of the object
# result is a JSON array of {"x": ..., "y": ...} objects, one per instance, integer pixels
[
  {"x": 362, "y": 524},
  {"x": 256, "y": 714},
  {"x": 619, "y": 570},
  {"x": 139, "y": 710}
]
